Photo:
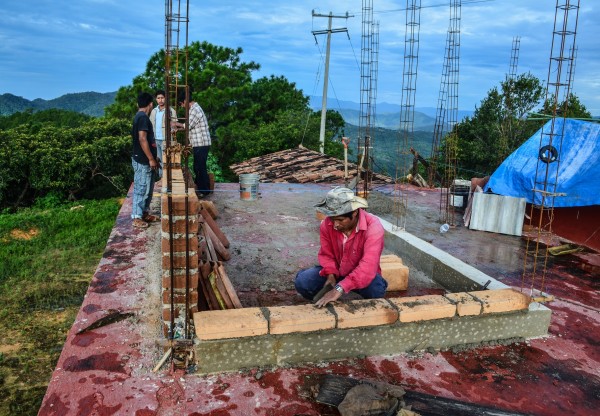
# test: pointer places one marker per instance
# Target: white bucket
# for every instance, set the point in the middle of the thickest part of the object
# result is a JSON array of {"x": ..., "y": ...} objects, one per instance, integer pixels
[{"x": 249, "y": 186}]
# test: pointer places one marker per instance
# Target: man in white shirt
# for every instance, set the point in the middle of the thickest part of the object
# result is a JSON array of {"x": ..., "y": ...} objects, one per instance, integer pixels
[{"x": 158, "y": 119}]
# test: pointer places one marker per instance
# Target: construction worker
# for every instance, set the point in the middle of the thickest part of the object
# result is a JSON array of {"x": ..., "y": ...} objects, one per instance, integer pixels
[{"x": 351, "y": 246}]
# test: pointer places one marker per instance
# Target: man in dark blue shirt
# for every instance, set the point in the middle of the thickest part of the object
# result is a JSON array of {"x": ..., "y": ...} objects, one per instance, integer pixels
[{"x": 143, "y": 161}]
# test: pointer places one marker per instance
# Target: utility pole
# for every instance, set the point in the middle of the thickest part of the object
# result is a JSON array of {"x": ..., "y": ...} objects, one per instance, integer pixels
[{"x": 329, "y": 31}]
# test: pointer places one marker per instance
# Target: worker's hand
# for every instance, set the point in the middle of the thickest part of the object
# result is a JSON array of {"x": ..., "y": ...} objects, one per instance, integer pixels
[
  {"x": 331, "y": 279},
  {"x": 329, "y": 297},
  {"x": 153, "y": 164}
]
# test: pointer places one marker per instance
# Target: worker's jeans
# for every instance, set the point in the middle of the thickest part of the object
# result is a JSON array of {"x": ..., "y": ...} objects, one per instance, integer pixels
[
  {"x": 143, "y": 185},
  {"x": 202, "y": 179},
  {"x": 309, "y": 282},
  {"x": 159, "y": 156}
]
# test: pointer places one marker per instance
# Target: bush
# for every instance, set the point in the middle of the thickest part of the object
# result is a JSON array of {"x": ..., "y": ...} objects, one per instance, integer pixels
[{"x": 63, "y": 162}]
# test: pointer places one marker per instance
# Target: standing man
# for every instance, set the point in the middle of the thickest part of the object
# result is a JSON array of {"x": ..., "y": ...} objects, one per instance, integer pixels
[
  {"x": 158, "y": 119},
  {"x": 143, "y": 161},
  {"x": 199, "y": 139},
  {"x": 351, "y": 246}
]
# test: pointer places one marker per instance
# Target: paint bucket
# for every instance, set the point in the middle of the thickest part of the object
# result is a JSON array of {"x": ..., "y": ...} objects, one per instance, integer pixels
[{"x": 249, "y": 186}]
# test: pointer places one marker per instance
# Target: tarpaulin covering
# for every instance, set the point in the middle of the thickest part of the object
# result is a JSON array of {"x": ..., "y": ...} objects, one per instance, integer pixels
[{"x": 577, "y": 159}]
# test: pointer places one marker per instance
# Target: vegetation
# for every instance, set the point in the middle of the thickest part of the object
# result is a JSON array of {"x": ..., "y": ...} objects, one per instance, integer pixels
[
  {"x": 49, "y": 253},
  {"x": 247, "y": 118},
  {"x": 502, "y": 123},
  {"x": 65, "y": 154}
]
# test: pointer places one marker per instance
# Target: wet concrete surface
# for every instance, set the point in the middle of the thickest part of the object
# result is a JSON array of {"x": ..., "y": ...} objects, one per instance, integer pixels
[{"x": 107, "y": 370}]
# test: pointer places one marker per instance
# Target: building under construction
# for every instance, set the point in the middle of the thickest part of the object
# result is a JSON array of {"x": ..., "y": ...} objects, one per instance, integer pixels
[{"x": 198, "y": 315}]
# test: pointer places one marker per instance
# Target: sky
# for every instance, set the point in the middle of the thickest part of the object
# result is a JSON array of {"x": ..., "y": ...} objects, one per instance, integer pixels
[{"x": 51, "y": 48}]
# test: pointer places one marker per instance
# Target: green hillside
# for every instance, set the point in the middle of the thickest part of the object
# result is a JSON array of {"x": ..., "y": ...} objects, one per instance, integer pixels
[
  {"x": 385, "y": 147},
  {"x": 90, "y": 103}
]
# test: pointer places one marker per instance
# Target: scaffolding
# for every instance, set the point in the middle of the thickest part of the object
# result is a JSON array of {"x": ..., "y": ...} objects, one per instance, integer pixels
[
  {"x": 365, "y": 121},
  {"x": 558, "y": 90},
  {"x": 446, "y": 144},
  {"x": 176, "y": 156},
  {"x": 407, "y": 109}
]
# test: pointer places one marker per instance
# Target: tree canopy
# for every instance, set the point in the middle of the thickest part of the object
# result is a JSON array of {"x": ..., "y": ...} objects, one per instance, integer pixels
[
  {"x": 499, "y": 125},
  {"x": 69, "y": 159},
  {"x": 246, "y": 118}
]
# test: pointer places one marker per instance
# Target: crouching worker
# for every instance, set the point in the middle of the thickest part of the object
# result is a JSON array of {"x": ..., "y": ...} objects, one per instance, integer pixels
[{"x": 351, "y": 246}]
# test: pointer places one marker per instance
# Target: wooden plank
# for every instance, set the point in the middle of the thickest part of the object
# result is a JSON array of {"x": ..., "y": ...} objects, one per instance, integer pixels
[
  {"x": 222, "y": 291},
  {"x": 220, "y": 249},
  {"x": 205, "y": 270},
  {"x": 213, "y": 226},
  {"x": 229, "y": 287},
  {"x": 212, "y": 254}
]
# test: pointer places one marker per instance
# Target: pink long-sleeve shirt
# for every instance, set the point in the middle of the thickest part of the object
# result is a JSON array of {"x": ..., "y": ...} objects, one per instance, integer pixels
[{"x": 356, "y": 261}]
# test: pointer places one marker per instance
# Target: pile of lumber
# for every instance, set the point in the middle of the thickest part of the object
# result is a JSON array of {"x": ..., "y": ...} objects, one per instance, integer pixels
[{"x": 216, "y": 290}]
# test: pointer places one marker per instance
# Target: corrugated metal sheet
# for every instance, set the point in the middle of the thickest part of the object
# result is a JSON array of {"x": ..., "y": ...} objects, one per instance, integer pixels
[{"x": 497, "y": 213}]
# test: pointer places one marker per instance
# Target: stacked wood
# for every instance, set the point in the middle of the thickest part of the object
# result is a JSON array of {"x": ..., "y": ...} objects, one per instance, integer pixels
[{"x": 216, "y": 290}]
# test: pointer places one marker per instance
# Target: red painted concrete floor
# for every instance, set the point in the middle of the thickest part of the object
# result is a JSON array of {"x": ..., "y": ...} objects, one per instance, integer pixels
[{"x": 107, "y": 370}]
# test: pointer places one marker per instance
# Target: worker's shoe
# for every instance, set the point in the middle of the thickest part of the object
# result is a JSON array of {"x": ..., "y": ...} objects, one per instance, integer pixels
[
  {"x": 149, "y": 217},
  {"x": 139, "y": 223}
]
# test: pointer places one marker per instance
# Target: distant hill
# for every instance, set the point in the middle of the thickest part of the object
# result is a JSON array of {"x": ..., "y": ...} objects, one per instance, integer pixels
[
  {"x": 385, "y": 147},
  {"x": 388, "y": 115},
  {"x": 90, "y": 103}
]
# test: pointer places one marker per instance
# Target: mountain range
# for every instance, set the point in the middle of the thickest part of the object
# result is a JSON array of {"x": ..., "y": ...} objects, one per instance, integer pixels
[
  {"x": 90, "y": 103},
  {"x": 388, "y": 115}
]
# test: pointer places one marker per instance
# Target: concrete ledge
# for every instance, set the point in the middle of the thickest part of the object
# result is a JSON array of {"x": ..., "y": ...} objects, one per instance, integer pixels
[
  {"x": 443, "y": 268},
  {"x": 272, "y": 350}
]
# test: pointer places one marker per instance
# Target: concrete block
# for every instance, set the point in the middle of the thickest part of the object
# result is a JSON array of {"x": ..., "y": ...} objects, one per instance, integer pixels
[
  {"x": 364, "y": 312},
  {"x": 466, "y": 304},
  {"x": 390, "y": 258},
  {"x": 396, "y": 274},
  {"x": 300, "y": 318},
  {"x": 501, "y": 300},
  {"x": 424, "y": 308},
  {"x": 179, "y": 297},
  {"x": 178, "y": 204},
  {"x": 179, "y": 260},
  {"x": 178, "y": 225},
  {"x": 179, "y": 281},
  {"x": 179, "y": 244},
  {"x": 230, "y": 323}
]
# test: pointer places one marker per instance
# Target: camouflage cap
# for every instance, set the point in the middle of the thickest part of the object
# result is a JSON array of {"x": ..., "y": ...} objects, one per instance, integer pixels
[{"x": 340, "y": 201}]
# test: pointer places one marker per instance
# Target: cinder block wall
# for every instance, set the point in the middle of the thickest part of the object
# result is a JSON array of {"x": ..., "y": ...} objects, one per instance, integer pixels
[{"x": 179, "y": 230}]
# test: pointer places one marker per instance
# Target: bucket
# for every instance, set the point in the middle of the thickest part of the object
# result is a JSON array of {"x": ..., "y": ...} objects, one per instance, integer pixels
[{"x": 249, "y": 186}]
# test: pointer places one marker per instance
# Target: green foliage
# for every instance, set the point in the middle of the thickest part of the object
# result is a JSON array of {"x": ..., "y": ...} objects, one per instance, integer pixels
[
  {"x": 498, "y": 125},
  {"x": 35, "y": 121},
  {"x": 571, "y": 108},
  {"x": 246, "y": 118},
  {"x": 64, "y": 161},
  {"x": 387, "y": 157},
  {"x": 48, "y": 257}
]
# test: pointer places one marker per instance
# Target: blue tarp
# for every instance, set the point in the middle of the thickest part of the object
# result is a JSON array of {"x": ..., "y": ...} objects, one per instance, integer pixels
[{"x": 578, "y": 166}]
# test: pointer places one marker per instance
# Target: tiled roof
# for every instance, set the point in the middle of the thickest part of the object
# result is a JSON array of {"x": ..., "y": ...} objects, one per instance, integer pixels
[{"x": 300, "y": 165}]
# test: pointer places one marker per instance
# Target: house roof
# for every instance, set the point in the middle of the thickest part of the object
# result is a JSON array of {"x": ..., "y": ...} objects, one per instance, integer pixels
[{"x": 300, "y": 165}]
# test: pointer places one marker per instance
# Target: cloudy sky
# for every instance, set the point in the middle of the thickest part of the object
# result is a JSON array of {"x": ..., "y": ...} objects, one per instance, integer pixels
[{"x": 50, "y": 48}]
